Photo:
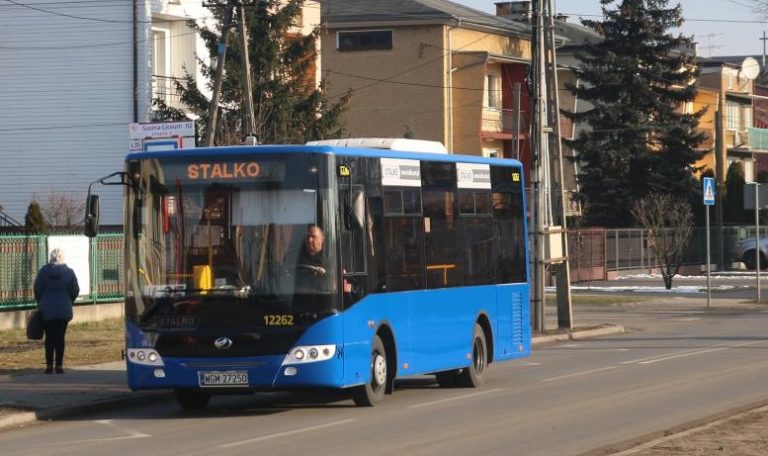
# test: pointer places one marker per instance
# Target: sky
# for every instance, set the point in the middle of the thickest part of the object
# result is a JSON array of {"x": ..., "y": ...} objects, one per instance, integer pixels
[{"x": 721, "y": 27}]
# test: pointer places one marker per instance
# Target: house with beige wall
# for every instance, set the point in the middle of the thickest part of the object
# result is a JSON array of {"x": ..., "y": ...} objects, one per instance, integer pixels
[
  {"x": 430, "y": 70},
  {"x": 726, "y": 89}
]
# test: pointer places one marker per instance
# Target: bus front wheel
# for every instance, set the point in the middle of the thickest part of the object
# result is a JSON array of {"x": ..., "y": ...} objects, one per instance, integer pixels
[
  {"x": 373, "y": 392},
  {"x": 474, "y": 375},
  {"x": 192, "y": 400}
]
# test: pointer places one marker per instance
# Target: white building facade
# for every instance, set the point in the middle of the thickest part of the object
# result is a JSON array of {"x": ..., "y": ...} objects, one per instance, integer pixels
[{"x": 74, "y": 76}]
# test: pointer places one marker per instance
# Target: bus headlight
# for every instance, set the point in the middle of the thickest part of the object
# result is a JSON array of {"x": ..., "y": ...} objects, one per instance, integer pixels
[
  {"x": 144, "y": 356},
  {"x": 309, "y": 354}
]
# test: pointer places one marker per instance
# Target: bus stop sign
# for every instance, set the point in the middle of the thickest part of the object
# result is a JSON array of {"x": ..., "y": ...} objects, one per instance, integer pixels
[{"x": 709, "y": 191}]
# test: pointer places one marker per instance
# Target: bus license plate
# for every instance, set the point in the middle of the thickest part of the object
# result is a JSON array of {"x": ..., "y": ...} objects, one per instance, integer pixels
[{"x": 223, "y": 378}]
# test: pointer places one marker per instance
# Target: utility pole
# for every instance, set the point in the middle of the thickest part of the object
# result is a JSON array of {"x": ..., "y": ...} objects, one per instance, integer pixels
[
  {"x": 720, "y": 159},
  {"x": 545, "y": 131},
  {"x": 249, "y": 126},
  {"x": 540, "y": 215},
  {"x": 210, "y": 129},
  {"x": 763, "y": 39},
  {"x": 562, "y": 269}
]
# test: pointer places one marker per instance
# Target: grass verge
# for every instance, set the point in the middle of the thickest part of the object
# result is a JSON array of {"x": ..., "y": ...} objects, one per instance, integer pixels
[{"x": 87, "y": 343}]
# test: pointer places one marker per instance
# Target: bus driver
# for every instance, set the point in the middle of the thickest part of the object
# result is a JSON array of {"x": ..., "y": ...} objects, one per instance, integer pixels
[
  {"x": 311, "y": 266},
  {"x": 311, "y": 270}
]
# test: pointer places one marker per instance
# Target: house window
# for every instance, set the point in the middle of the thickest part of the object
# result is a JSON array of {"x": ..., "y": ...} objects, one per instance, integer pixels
[
  {"x": 749, "y": 170},
  {"x": 747, "y": 117},
  {"x": 732, "y": 117},
  {"x": 364, "y": 40},
  {"x": 492, "y": 91},
  {"x": 161, "y": 64}
]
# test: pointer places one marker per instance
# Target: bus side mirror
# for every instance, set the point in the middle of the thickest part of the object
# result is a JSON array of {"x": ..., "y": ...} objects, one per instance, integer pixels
[
  {"x": 92, "y": 216},
  {"x": 358, "y": 210}
]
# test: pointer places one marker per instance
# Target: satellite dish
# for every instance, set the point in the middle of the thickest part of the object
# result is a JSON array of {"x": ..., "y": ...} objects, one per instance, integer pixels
[{"x": 750, "y": 68}]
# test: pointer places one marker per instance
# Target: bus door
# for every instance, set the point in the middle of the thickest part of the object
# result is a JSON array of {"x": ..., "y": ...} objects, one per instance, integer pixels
[{"x": 353, "y": 240}]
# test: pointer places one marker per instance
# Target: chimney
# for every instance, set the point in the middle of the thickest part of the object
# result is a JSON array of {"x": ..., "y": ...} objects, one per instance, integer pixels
[{"x": 517, "y": 11}]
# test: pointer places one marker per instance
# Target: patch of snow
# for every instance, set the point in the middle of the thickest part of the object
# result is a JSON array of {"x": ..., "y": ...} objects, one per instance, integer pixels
[
  {"x": 740, "y": 275},
  {"x": 684, "y": 289}
]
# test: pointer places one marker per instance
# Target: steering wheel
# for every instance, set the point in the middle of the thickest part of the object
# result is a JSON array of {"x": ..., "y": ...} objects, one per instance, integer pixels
[{"x": 317, "y": 270}]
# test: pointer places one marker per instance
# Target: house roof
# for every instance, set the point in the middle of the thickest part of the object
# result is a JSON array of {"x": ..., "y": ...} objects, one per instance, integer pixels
[
  {"x": 728, "y": 59},
  {"x": 576, "y": 35},
  {"x": 339, "y": 13}
]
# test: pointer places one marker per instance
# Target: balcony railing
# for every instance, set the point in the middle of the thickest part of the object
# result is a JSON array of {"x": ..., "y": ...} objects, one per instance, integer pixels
[
  {"x": 164, "y": 88},
  {"x": 757, "y": 139},
  {"x": 503, "y": 120}
]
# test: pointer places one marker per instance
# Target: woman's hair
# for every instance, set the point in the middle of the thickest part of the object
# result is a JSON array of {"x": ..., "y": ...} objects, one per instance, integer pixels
[{"x": 57, "y": 256}]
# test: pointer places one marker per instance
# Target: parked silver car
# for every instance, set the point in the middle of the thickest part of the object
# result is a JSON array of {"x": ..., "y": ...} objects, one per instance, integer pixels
[{"x": 745, "y": 252}]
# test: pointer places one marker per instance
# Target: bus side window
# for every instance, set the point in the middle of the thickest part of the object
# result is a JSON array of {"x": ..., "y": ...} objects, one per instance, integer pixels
[
  {"x": 478, "y": 234},
  {"x": 404, "y": 239}
]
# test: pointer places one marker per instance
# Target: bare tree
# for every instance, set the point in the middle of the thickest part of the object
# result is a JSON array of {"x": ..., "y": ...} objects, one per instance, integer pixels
[
  {"x": 669, "y": 222},
  {"x": 760, "y": 7},
  {"x": 62, "y": 210}
]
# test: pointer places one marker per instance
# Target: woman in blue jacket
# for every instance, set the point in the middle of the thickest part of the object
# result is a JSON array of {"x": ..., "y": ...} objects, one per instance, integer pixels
[{"x": 56, "y": 289}]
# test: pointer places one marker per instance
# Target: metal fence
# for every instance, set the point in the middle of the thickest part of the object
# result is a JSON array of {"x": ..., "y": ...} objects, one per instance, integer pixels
[
  {"x": 630, "y": 249},
  {"x": 21, "y": 256}
]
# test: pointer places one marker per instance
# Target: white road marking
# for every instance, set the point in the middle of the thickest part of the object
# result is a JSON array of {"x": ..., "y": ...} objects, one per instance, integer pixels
[
  {"x": 131, "y": 434},
  {"x": 286, "y": 433},
  {"x": 578, "y": 374},
  {"x": 657, "y": 358},
  {"x": 457, "y": 398}
]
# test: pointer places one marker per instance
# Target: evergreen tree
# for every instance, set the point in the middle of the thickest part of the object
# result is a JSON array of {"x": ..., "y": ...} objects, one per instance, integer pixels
[
  {"x": 288, "y": 107},
  {"x": 733, "y": 200},
  {"x": 34, "y": 222},
  {"x": 636, "y": 81}
]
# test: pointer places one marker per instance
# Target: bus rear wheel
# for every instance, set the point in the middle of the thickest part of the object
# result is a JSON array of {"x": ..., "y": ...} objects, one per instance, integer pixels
[
  {"x": 474, "y": 375},
  {"x": 192, "y": 400},
  {"x": 373, "y": 392}
]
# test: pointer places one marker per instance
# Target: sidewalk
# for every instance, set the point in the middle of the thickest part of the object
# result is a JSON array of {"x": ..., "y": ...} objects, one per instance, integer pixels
[{"x": 26, "y": 398}]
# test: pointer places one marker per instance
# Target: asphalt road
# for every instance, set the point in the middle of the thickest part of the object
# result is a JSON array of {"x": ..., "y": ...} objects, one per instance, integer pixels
[{"x": 678, "y": 363}]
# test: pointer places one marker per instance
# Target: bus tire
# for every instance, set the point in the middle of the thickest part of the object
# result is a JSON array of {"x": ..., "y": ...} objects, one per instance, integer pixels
[
  {"x": 474, "y": 375},
  {"x": 192, "y": 400},
  {"x": 373, "y": 392}
]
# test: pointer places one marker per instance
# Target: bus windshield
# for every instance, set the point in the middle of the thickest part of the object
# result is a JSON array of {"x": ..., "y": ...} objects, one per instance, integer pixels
[{"x": 226, "y": 242}]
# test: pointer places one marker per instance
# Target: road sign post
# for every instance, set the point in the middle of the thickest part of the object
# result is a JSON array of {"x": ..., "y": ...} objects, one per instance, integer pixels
[{"x": 709, "y": 200}]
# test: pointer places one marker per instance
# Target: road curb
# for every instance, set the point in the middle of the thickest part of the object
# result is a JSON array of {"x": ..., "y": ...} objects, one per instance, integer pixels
[
  {"x": 26, "y": 417},
  {"x": 605, "y": 330}
]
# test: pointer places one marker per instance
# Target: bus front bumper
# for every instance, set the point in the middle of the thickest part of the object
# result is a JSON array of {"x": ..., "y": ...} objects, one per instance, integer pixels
[{"x": 275, "y": 372}]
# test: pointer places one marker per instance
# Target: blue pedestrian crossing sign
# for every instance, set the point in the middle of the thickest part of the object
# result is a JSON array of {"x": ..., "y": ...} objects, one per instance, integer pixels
[{"x": 709, "y": 191}]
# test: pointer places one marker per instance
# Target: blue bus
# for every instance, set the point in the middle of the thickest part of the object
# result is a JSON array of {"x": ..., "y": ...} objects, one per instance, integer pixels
[{"x": 422, "y": 269}]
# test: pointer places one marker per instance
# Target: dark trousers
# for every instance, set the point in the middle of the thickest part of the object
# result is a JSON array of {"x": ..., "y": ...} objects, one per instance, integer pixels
[{"x": 54, "y": 341}]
